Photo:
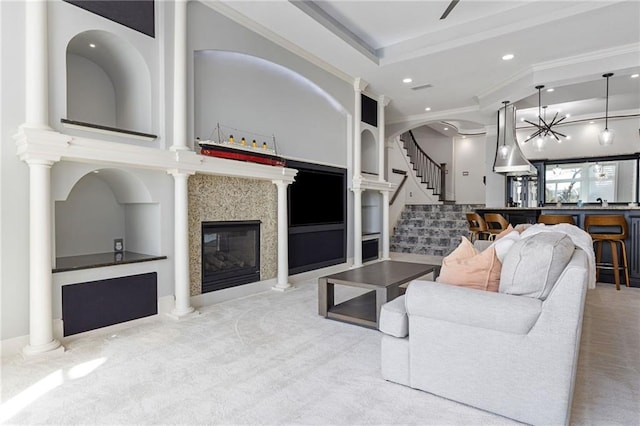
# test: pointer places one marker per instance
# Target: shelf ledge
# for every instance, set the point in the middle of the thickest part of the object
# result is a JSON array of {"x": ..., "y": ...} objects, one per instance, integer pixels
[
  {"x": 98, "y": 128},
  {"x": 98, "y": 260}
]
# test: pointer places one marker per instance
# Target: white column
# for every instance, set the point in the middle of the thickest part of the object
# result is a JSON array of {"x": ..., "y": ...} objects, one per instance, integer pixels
[
  {"x": 183, "y": 308},
  {"x": 40, "y": 276},
  {"x": 383, "y": 101},
  {"x": 180, "y": 76},
  {"x": 37, "y": 71},
  {"x": 358, "y": 87},
  {"x": 385, "y": 225},
  {"x": 283, "y": 238},
  {"x": 357, "y": 227}
]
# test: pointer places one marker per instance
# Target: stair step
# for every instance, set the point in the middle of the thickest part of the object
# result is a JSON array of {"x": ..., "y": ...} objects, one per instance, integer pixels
[{"x": 431, "y": 229}]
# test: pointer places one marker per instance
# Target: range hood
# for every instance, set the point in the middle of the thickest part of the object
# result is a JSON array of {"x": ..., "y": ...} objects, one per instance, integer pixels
[{"x": 515, "y": 163}]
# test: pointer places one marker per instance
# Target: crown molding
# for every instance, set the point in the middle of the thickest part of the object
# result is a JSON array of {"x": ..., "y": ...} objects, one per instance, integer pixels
[{"x": 531, "y": 71}]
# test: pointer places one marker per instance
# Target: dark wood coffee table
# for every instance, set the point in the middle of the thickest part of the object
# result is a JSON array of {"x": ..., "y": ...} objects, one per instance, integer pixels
[{"x": 383, "y": 278}]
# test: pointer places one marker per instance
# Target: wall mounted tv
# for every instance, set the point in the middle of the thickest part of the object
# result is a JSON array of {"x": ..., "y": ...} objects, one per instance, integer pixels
[{"x": 318, "y": 196}]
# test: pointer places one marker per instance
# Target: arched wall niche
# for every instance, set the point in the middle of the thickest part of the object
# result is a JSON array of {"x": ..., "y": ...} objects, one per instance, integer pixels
[
  {"x": 369, "y": 152},
  {"x": 104, "y": 204},
  {"x": 256, "y": 98},
  {"x": 108, "y": 82}
]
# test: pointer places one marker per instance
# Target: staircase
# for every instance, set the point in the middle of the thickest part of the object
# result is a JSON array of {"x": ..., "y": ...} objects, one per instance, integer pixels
[
  {"x": 430, "y": 173},
  {"x": 432, "y": 229}
]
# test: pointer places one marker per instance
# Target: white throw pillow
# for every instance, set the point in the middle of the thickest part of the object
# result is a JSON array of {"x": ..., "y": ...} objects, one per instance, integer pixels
[
  {"x": 503, "y": 245},
  {"x": 533, "y": 264}
]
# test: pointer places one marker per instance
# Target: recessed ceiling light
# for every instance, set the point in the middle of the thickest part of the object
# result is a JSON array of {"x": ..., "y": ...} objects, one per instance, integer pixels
[
  {"x": 446, "y": 128},
  {"x": 551, "y": 89},
  {"x": 91, "y": 45},
  {"x": 508, "y": 57},
  {"x": 464, "y": 137},
  {"x": 635, "y": 75},
  {"x": 427, "y": 109},
  {"x": 567, "y": 115},
  {"x": 592, "y": 122},
  {"x": 407, "y": 80},
  {"x": 568, "y": 137},
  {"x": 522, "y": 119}
]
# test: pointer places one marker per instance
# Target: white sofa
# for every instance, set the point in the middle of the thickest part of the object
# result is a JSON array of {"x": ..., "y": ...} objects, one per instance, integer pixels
[{"x": 513, "y": 355}]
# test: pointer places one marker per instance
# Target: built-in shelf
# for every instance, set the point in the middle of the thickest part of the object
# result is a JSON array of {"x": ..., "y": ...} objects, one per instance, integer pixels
[
  {"x": 98, "y": 260},
  {"x": 98, "y": 128}
]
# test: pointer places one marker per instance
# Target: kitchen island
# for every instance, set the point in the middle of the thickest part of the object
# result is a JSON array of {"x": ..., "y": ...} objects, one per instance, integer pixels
[{"x": 519, "y": 215}]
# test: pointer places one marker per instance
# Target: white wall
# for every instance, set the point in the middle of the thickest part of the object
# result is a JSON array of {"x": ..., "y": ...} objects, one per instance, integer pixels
[
  {"x": 14, "y": 176},
  {"x": 91, "y": 98},
  {"x": 89, "y": 220},
  {"x": 369, "y": 148},
  {"x": 469, "y": 158}
]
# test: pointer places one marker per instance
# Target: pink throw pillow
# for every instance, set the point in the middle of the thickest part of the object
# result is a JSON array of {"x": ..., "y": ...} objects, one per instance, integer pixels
[
  {"x": 507, "y": 231},
  {"x": 466, "y": 267}
]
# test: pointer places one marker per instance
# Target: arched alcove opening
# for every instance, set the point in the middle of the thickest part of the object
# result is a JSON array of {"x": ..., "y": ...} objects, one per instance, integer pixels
[
  {"x": 104, "y": 205},
  {"x": 369, "y": 152},
  {"x": 108, "y": 82},
  {"x": 253, "y": 97}
]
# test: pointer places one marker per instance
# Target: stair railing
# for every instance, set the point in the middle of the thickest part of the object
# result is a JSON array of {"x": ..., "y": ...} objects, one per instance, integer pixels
[
  {"x": 430, "y": 172},
  {"x": 395, "y": 194}
]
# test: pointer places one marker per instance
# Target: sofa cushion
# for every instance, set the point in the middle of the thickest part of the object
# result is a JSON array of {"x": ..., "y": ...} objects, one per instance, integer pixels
[
  {"x": 393, "y": 318},
  {"x": 533, "y": 264},
  {"x": 467, "y": 267}
]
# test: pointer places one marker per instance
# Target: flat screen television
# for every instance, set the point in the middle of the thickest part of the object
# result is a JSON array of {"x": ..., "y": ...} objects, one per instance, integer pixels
[{"x": 318, "y": 196}]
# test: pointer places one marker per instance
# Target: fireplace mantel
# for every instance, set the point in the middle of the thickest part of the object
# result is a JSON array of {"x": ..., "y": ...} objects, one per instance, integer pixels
[{"x": 47, "y": 144}]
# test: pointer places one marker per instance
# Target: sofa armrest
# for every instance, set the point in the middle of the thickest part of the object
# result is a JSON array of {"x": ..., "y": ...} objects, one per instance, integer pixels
[
  {"x": 393, "y": 318},
  {"x": 475, "y": 308}
]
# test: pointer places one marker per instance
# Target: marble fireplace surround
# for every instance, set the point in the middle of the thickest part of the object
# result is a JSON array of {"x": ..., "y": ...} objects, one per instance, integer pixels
[{"x": 224, "y": 198}]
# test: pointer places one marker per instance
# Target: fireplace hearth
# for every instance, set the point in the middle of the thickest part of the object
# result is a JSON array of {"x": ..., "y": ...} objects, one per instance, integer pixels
[{"x": 230, "y": 254}]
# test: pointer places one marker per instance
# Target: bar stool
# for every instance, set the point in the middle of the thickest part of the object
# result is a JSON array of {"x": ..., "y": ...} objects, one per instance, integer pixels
[
  {"x": 496, "y": 223},
  {"x": 477, "y": 226},
  {"x": 609, "y": 221},
  {"x": 554, "y": 219}
]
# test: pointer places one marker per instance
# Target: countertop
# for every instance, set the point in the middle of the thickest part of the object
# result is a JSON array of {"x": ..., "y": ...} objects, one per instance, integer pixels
[{"x": 97, "y": 260}]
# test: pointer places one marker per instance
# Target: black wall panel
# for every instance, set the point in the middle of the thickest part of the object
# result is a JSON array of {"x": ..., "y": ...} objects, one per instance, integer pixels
[
  {"x": 369, "y": 111},
  {"x": 316, "y": 249},
  {"x": 138, "y": 15},
  {"x": 96, "y": 304}
]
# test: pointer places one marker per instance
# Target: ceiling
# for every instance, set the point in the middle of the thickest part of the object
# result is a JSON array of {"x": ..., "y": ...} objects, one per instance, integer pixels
[{"x": 566, "y": 45}]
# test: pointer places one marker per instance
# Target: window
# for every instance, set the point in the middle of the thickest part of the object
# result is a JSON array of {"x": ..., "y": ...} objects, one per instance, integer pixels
[{"x": 589, "y": 181}]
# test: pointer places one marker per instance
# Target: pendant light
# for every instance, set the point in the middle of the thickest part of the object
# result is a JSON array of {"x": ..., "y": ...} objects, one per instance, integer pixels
[
  {"x": 606, "y": 136},
  {"x": 541, "y": 140},
  {"x": 545, "y": 128},
  {"x": 503, "y": 151}
]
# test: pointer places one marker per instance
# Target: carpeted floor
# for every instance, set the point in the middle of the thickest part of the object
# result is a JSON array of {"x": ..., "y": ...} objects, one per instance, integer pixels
[{"x": 270, "y": 359}]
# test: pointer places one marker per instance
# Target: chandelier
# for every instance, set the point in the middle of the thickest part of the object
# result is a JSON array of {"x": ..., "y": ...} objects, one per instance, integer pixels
[{"x": 543, "y": 127}]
